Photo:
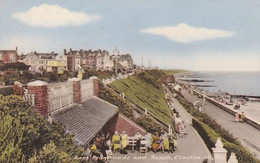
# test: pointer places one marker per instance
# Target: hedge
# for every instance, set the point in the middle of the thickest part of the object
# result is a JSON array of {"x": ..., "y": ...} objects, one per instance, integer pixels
[
  {"x": 207, "y": 120},
  {"x": 6, "y": 91},
  {"x": 210, "y": 137}
]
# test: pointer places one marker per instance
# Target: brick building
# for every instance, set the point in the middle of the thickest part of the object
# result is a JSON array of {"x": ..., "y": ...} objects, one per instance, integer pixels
[
  {"x": 76, "y": 105},
  {"x": 168, "y": 79},
  {"x": 88, "y": 59},
  {"x": 9, "y": 56}
]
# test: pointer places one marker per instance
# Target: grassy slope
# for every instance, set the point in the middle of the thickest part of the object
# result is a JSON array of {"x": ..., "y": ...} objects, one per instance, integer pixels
[
  {"x": 171, "y": 72},
  {"x": 146, "y": 91}
]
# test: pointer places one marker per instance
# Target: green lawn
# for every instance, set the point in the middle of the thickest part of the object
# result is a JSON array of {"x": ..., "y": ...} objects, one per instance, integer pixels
[{"x": 146, "y": 91}]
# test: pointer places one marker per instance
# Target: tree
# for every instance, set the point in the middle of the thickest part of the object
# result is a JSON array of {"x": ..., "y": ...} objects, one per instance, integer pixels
[
  {"x": 11, "y": 134},
  {"x": 14, "y": 66},
  {"x": 50, "y": 153},
  {"x": 36, "y": 131}
]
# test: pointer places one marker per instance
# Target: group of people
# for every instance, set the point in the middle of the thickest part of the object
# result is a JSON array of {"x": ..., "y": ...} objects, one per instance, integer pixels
[
  {"x": 240, "y": 118},
  {"x": 103, "y": 146},
  {"x": 119, "y": 142},
  {"x": 100, "y": 147},
  {"x": 163, "y": 143},
  {"x": 147, "y": 142}
]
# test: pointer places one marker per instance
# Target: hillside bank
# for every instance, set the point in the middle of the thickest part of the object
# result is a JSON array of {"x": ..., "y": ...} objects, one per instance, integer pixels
[{"x": 145, "y": 90}]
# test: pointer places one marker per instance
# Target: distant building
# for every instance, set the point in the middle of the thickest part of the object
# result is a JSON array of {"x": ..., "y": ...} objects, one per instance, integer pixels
[
  {"x": 103, "y": 61},
  {"x": 168, "y": 79},
  {"x": 56, "y": 66},
  {"x": 9, "y": 56},
  {"x": 73, "y": 59},
  {"x": 127, "y": 58},
  {"x": 122, "y": 62},
  {"x": 88, "y": 59},
  {"x": 39, "y": 61}
]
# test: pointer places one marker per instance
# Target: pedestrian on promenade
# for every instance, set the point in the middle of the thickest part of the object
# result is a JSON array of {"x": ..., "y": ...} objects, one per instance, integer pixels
[
  {"x": 172, "y": 144},
  {"x": 156, "y": 142},
  {"x": 166, "y": 144},
  {"x": 138, "y": 138},
  {"x": 237, "y": 117},
  {"x": 178, "y": 122},
  {"x": 116, "y": 141},
  {"x": 243, "y": 117},
  {"x": 148, "y": 138},
  {"x": 124, "y": 140}
]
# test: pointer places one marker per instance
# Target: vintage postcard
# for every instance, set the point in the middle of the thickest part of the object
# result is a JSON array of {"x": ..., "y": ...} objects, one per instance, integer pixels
[{"x": 130, "y": 81}]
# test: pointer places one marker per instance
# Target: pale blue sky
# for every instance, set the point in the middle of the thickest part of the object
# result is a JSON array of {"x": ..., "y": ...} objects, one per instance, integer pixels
[{"x": 188, "y": 34}]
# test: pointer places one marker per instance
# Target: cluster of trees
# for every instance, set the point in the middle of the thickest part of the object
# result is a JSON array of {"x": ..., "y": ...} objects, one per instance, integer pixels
[
  {"x": 14, "y": 66},
  {"x": 23, "y": 76},
  {"x": 26, "y": 137}
]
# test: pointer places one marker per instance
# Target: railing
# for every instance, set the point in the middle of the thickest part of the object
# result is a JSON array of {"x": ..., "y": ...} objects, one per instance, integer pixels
[
  {"x": 60, "y": 95},
  {"x": 248, "y": 120},
  {"x": 86, "y": 89},
  {"x": 108, "y": 81},
  {"x": 30, "y": 98}
]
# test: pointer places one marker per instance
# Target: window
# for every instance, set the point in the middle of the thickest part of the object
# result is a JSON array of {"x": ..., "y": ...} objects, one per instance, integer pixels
[{"x": 40, "y": 61}]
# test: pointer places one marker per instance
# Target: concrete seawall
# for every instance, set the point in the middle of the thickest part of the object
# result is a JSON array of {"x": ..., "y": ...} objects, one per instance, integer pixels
[{"x": 248, "y": 120}]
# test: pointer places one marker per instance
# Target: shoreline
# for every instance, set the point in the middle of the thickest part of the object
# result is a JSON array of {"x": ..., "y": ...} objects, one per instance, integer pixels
[
  {"x": 222, "y": 83},
  {"x": 249, "y": 108}
]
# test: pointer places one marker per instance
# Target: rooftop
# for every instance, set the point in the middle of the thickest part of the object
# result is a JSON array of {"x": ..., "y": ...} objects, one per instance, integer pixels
[{"x": 86, "y": 119}]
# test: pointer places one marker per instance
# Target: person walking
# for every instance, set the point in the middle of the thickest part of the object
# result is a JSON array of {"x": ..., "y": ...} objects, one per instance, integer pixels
[
  {"x": 243, "y": 117},
  {"x": 236, "y": 117},
  {"x": 138, "y": 138},
  {"x": 148, "y": 138}
]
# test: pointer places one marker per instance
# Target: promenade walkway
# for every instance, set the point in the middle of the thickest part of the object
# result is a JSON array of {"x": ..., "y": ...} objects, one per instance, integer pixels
[
  {"x": 245, "y": 133},
  {"x": 191, "y": 148}
]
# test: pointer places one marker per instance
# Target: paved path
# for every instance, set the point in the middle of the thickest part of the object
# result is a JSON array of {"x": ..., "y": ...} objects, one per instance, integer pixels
[
  {"x": 246, "y": 134},
  {"x": 191, "y": 148}
]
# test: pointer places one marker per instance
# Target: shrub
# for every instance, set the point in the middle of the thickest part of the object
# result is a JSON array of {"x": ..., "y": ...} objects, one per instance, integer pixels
[
  {"x": 207, "y": 120},
  {"x": 23, "y": 133},
  {"x": 148, "y": 124},
  {"x": 210, "y": 137},
  {"x": 6, "y": 91},
  {"x": 108, "y": 95}
]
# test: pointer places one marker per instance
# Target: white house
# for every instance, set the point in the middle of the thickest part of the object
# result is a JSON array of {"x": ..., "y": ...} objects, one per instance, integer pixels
[{"x": 38, "y": 61}]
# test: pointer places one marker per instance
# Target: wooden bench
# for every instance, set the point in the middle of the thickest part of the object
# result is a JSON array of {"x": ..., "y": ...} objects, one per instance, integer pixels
[{"x": 132, "y": 143}]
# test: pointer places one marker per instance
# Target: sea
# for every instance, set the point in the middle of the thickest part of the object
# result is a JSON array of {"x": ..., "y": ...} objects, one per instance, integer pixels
[{"x": 238, "y": 83}]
